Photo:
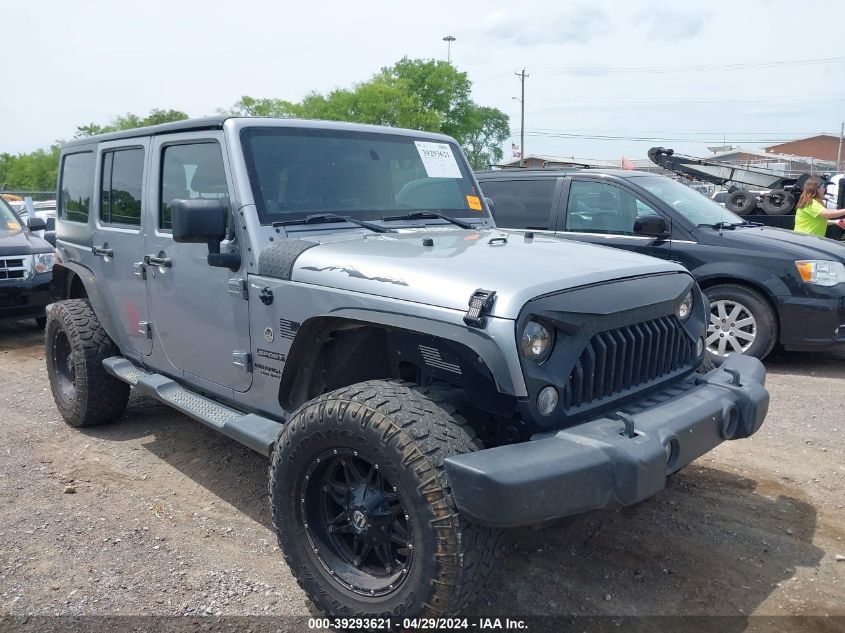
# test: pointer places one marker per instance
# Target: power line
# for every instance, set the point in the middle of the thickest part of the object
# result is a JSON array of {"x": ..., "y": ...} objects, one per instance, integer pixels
[
  {"x": 772, "y": 99},
  {"x": 650, "y": 139},
  {"x": 611, "y": 70},
  {"x": 688, "y": 133}
]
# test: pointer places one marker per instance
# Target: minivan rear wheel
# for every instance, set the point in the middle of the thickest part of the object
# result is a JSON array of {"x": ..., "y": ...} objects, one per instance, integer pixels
[{"x": 741, "y": 321}]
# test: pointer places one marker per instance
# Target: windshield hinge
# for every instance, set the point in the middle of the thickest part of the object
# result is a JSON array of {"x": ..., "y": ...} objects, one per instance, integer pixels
[
  {"x": 242, "y": 360},
  {"x": 480, "y": 304},
  {"x": 238, "y": 288}
]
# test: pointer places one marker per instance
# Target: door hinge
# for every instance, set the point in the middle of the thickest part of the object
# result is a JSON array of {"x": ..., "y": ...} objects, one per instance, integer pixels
[
  {"x": 243, "y": 360},
  {"x": 144, "y": 329},
  {"x": 139, "y": 270},
  {"x": 238, "y": 288}
]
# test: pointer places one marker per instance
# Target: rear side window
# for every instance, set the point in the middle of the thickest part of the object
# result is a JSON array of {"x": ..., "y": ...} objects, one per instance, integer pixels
[
  {"x": 521, "y": 204},
  {"x": 120, "y": 196},
  {"x": 192, "y": 170},
  {"x": 77, "y": 186}
]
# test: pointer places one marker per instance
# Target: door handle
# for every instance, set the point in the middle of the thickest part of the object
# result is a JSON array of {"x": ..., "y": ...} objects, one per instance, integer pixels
[
  {"x": 102, "y": 252},
  {"x": 155, "y": 260}
]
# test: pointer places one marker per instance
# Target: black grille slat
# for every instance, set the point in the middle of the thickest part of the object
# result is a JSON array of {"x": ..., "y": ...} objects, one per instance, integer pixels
[
  {"x": 621, "y": 359},
  {"x": 588, "y": 362},
  {"x": 659, "y": 348},
  {"x": 621, "y": 356},
  {"x": 610, "y": 367},
  {"x": 630, "y": 348},
  {"x": 601, "y": 364}
]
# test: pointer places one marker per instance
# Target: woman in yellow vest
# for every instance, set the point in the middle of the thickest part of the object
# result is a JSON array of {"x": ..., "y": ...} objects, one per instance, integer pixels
[{"x": 810, "y": 215}]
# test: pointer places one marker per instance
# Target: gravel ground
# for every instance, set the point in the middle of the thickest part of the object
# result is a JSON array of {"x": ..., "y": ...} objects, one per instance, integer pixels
[{"x": 157, "y": 515}]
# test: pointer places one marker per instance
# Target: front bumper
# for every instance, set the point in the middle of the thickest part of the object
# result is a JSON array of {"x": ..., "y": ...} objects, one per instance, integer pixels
[
  {"x": 597, "y": 465},
  {"x": 813, "y": 323},
  {"x": 25, "y": 298}
]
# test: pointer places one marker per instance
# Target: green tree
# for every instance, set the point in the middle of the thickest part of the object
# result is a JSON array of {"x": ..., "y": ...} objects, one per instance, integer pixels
[
  {"x": 418, "y": 94},
  {"x": 35, "y": 171},
  {"x": 38, "y": 170},
  {"x": 483, "y": 140},
  {"x": 129, "y": 121}
]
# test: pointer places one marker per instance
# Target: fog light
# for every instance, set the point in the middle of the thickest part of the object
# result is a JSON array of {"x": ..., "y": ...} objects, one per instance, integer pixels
[
  {"x": 547, "y": 400},
  {"x": 699, "y": 347}
]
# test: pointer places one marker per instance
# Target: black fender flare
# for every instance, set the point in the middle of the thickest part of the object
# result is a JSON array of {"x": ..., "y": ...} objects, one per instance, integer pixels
[
  {"x": 63, "y": 274},
  {"x": 478, "y": 341}
]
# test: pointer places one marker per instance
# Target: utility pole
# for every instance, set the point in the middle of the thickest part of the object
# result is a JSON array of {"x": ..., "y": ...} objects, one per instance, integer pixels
[
  {"x": 839, "y": 151},
  {"x": 449, "y": 39},
  {"x": 522, "y": 76}
]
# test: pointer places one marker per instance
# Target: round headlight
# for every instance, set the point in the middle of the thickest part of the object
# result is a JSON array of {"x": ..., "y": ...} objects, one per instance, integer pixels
[
  {"x": 537, "y": 341},
  {"x": 684, "y": 308}
]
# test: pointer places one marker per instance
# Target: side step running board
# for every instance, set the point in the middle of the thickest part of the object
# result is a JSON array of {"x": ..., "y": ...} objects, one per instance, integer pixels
[{"x": 257, "y": 432}]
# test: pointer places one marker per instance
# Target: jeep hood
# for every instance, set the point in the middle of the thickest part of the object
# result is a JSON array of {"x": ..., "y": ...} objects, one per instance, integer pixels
[{"x": 445, "y": 274}]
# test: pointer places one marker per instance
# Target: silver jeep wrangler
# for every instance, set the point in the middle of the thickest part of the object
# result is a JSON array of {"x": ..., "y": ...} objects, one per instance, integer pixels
[{"x": 338, "y": 298}]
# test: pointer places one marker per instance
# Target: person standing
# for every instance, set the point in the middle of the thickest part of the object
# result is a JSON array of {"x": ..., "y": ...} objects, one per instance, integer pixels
[{"x": 810, "y": 215}]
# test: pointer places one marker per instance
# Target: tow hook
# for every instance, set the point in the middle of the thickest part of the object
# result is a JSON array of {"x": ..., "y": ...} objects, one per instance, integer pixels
[{"x": 628, "y": 421}]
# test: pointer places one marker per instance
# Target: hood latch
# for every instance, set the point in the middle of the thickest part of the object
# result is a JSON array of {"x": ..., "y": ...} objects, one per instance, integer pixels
[{"x": 480, "y": 304}]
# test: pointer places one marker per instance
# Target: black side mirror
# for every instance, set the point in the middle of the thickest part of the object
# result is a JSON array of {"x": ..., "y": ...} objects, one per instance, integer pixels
[
  {"x": 651, "y": 226},
  {"x": 491, "y": 206},
  {"x": 36, "y": 224},
  {"x": 203, "y": 220}
]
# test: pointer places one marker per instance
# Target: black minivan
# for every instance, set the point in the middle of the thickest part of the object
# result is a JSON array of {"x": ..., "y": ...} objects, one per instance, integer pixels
[{"x": 765, "y": 285}]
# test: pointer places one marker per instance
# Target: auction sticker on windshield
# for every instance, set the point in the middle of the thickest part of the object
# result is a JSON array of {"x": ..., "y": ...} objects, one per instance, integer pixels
[{"x": 438, "y": 160}]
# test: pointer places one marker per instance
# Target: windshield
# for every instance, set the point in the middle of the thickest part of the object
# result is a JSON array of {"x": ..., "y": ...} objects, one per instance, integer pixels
[
  {"x": 9, "y": 222},
  {"x": 695, "y": 207},
  {"x": 295, "y": 173}
]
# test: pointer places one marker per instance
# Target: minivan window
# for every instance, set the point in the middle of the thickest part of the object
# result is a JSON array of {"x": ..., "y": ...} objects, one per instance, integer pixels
[
  {"x": 122, "y": 178},
  {"x": 599, "y": 207},
  {"x": 193, "y": 170},
  {"x": 698, "y": 209},
  {"x": 522, "y": 204},
  {"x": 77, "y": 186},
  {"x": 367, "y": 175}
]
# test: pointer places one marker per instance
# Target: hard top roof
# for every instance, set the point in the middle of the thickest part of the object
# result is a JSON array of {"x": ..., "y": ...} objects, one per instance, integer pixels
[{"x": 217, "y": 122}]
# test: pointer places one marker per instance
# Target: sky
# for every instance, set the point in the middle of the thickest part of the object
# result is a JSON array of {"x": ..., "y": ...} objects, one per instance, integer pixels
[{"x": 606, "y": 79}]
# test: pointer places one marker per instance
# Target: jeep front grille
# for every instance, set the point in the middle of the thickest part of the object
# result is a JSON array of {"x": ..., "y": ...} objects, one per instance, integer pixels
[
  {"x": 626, "y": 359},
  {"x": 13, "y": 268}
]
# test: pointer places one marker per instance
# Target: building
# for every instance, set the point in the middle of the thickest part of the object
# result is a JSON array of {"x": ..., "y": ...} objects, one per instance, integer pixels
[{"x": 821, "y": 147}]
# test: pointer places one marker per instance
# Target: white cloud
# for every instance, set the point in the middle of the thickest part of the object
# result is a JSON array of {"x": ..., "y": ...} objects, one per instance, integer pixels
[{"x": 568, "y": 25}]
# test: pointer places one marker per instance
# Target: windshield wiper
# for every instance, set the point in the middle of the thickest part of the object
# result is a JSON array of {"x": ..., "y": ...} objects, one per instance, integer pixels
[
  {"x": 429, "y": 215},
  {"x": 333, "y": 217},
  {"x": 729, "y": 225}
]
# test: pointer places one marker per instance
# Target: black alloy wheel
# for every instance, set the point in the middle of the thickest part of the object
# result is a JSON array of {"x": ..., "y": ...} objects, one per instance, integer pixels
[{"x": 356, "y": 522}]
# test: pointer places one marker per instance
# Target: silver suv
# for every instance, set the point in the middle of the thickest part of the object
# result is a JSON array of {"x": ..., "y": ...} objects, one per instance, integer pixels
[{"x": 338, "y": 298}]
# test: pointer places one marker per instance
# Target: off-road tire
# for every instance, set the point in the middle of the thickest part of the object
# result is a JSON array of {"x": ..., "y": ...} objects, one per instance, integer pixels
[
  {"x": 778, "y": 202},
  {"x": 411, "y": 431},
  {"x": 96, "y": 396},
  {"x": 762, "y": 311},
  {"x": 741, "y": 202}
]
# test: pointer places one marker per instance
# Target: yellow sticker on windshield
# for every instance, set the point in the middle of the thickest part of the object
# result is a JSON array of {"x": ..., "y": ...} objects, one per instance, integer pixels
[
  {"x": 474, "y": 203},
  {"x": 13, "y": 226}
]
